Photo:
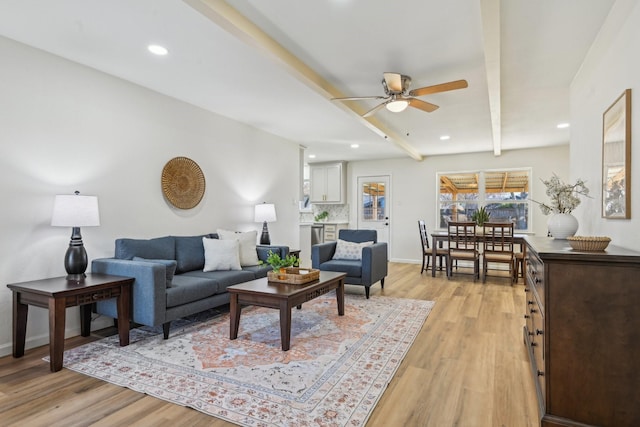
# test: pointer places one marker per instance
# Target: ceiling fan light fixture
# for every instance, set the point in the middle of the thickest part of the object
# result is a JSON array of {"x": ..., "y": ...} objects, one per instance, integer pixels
[{"x": 397, "y": 105}]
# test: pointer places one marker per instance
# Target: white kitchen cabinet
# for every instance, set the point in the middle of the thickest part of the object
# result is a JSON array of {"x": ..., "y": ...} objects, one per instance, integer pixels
[
  {"x": 328, "y": 182},
  {"x": 331, "y": 231}
]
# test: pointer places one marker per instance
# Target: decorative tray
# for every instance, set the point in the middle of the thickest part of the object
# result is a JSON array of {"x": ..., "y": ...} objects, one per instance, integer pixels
[
  {"x": 294, "y": 275},
  {"x": 589, "y": 243}
]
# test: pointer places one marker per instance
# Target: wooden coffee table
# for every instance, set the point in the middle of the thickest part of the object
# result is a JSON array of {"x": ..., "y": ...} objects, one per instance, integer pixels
[{"x": 282, "y": 296}]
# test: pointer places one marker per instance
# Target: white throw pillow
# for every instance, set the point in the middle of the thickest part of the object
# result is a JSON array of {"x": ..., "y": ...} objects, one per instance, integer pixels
[
  {"x": 221, "y": 254},
  {"x": 247, "y": 240},
  {"x": 349, "y": 250}
]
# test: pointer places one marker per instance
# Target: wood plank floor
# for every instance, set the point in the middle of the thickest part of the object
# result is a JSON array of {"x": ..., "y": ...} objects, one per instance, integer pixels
[{"x": 468, "y": 367}]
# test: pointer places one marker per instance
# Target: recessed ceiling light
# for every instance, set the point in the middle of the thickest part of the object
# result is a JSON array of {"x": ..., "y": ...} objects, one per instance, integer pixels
[
  {"x": 312, "y": 156},
  {"x": 444, "y": 137},
  {"x": 157, "y": 49},
  {"x": 563, "y": 125},
  {"x": 355, "y": 145}
]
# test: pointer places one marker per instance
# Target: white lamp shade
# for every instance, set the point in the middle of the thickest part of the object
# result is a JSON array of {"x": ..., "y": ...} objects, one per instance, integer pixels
[
  {"x": 265, "y": 212},
  {"x": 75, "y": 211}
]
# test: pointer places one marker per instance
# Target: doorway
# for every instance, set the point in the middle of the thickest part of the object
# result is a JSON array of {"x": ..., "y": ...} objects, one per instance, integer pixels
[{"x": 374, "y": 205}]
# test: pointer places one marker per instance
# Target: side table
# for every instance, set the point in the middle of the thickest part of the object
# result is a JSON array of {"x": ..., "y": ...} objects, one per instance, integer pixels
[{"x": 56, "y": 294}]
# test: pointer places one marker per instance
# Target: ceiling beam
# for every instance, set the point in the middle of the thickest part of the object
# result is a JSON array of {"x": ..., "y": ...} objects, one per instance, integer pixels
[
  {"x": 228, "y": 18},
  {"x": 490, "y": 10}
]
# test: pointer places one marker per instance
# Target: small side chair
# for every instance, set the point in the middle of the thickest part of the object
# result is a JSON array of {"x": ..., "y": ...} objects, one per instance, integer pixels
[{"x": 441, "y": 253}]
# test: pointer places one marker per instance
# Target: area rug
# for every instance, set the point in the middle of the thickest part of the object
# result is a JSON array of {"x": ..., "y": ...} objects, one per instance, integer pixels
[{"x": 337, "y": 369}]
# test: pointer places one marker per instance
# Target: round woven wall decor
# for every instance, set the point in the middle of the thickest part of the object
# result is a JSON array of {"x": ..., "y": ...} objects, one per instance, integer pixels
[{"x": 183, "y": 182}]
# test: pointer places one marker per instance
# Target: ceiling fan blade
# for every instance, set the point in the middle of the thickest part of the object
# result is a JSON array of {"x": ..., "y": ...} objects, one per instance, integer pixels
[
  {"x": 422, "y": 105},
  {"x": 356, "y": 98},
  {"x": 442, "y": 87},
  {"x": 374, "y": 109},
  {"x": 394, "y": 81}
]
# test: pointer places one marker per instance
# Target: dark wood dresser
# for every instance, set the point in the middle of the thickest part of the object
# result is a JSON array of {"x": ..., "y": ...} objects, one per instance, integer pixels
[{"x": 583, "y": 333}]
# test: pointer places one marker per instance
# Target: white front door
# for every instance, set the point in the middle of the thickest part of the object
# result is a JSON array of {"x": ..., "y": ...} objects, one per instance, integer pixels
[{"x": 374, "y": 205}]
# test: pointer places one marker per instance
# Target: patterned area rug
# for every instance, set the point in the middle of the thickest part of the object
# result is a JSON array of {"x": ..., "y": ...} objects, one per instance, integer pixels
[{"x": 333, "y": 375}]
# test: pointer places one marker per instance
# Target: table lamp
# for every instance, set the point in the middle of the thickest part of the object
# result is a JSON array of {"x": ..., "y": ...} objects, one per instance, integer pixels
[
  {"x": 265, "y": 212},
  {"x": 75, "y": 211}
]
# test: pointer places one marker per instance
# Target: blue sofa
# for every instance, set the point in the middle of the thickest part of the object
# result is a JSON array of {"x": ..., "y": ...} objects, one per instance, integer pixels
[
  {"x": 157, "y": 297},
  {"x": 371, "y": 267}
]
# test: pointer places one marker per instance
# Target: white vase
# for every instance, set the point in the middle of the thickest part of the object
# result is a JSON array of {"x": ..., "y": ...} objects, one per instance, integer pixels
[{"x": 562, "y": 225}]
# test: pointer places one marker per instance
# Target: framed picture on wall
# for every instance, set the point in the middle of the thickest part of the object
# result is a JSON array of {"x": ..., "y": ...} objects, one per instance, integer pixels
[{"x": 616, "y": 159}]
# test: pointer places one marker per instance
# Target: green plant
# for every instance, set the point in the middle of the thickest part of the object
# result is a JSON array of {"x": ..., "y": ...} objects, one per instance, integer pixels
[
  {"x": 480, "y": 216},
  {"x": 322, "y": 215},
  {"x": 277, "y": 262}
]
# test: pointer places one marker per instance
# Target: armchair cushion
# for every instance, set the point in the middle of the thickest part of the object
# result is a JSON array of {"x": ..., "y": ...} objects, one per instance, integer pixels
[{"x": 349, "y": 250}]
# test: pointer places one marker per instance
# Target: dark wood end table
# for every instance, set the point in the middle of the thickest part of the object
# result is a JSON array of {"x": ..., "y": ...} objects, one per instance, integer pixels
[
  {"x": 56, "y": 294},
  {"x": 284, "y": 297}
]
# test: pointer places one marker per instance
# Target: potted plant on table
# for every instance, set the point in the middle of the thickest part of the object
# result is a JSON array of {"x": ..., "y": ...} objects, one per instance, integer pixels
[
  {"x": 279, "y": 265},
  {"x": 480, "y": 217}
]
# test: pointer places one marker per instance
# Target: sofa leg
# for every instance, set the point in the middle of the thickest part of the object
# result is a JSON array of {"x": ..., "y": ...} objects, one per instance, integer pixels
[
  {"x": 382, "y": 283},
  {"x": 165, "y": 330},
  {"x": 366, "y": 291}
]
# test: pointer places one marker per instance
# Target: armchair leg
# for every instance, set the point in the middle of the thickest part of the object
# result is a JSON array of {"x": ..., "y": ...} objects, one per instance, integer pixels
[
  {"x": 165, "y": 330},
  {"x": 366, "y": 291},
  {"x": 382, "y": 283}
]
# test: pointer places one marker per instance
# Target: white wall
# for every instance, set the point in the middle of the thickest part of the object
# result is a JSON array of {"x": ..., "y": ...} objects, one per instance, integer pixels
[
  {"x": 414, "y": 188},
  {"x": 66, "y": 127},
  {"x": 611, "y": 66}
]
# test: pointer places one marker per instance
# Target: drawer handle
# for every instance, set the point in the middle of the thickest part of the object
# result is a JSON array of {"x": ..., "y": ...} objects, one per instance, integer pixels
[
  {"x": 534, "y": 344},
  {"x": 527, "y": 290},
  {"x": 526, "y": 316},
  {"x": 95, "y": 296},
  {"x": 538, "y": 280},
  {"x": 530, "y": 302},
  {"x": 533, "y": 310},
  {"x": 539, "y": 332},
  {"x": 540, "y": 373}
]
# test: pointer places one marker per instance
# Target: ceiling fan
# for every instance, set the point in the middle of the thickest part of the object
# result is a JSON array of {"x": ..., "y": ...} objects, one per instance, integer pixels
[{"x": 399, "y": 97}]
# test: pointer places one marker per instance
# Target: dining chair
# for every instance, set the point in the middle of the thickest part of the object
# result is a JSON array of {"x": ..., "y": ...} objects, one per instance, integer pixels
[
  {"x": 498, "y": 247},
  {"x": 441, "y": 253},
  {"x": 463, "y": 246}
]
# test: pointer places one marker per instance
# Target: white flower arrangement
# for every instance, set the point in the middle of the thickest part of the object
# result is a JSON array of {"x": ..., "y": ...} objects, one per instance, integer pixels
[{"x": 564, "y": 197}]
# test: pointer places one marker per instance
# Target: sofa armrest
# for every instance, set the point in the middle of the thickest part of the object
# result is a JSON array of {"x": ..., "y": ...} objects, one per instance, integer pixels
[
  {"x": 374, "y": 263},
  {"x": 149, "y": 290},
  {"x": 263, "y": 251},
  {"x": 322, "y": 252}
]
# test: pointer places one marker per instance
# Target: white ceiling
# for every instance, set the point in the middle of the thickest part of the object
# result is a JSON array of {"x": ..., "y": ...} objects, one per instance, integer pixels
[{"x": 278, "y": 71}]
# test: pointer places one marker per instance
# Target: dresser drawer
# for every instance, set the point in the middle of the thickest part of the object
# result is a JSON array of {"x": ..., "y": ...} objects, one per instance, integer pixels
[{"x": 535, "y": 277}]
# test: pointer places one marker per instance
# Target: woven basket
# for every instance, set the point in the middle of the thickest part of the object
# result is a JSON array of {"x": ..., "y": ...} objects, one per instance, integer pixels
[
  {"x": 589, "y": 243},
  {"x": 294, "y": 276},
  {"x": 183, "y": 183}
]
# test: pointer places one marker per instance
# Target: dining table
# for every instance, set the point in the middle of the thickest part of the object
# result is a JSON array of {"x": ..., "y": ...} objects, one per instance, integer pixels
[{"x": 439, "y": 237}]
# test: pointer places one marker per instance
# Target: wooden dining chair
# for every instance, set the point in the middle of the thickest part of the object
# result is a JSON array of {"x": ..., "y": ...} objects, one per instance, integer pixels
[
  {"x": 498, "y": 247},
  {"x": 441, "y": 253},
  {"x": 463, "y": 246}
]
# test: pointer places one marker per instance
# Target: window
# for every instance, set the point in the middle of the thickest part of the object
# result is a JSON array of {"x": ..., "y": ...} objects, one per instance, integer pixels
[{"x": 503, "y": 193}]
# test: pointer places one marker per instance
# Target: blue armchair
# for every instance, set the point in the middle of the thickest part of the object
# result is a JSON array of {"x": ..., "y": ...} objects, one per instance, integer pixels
[{"x": 366, "y": 271}]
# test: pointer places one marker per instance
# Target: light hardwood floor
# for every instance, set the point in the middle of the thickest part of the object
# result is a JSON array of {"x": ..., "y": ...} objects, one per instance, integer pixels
[{"x": 467, "y": 367}]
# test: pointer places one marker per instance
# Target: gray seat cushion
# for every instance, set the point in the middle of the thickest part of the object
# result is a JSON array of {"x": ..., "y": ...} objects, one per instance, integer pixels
[
  {"x": 258, "y": 270},
  {"x": 221, "y": 278},
  {"x": 353, "y": 268},
  {"x": 185, "y": 289}
]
